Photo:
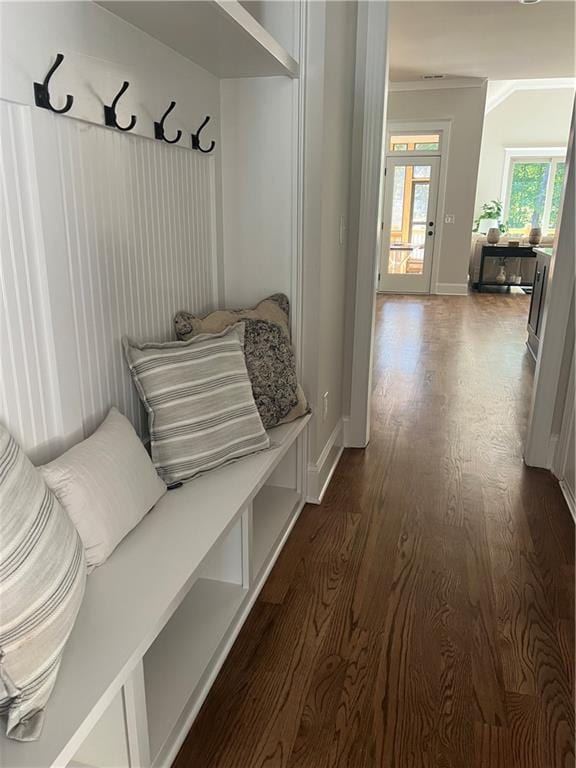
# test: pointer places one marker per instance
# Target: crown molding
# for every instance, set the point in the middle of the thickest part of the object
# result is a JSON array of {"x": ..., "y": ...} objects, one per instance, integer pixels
[
  {"x": 508, "y": 87},
  {"x": 436, "y": 85}
]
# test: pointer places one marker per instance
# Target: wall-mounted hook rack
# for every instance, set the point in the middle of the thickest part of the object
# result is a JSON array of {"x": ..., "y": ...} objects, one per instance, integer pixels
[
  {"x": 159, "y": 127},
  {"x": 196, "y": 138},
  {"x": 42, "y": 92},
  {"x": 110, "y": 117}
]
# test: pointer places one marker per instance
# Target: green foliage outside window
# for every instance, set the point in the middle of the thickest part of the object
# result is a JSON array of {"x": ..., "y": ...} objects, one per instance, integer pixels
[
  {"x": 528, "y": 194},
  {"x": 557, "y": 194},
  {"x": 531, "y": 184}
]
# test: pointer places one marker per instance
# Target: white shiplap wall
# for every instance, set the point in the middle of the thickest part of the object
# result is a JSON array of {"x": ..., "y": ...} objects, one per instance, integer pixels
[{"x": 103, "y": 234}]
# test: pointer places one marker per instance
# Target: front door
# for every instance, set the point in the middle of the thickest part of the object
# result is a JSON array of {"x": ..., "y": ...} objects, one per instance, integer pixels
[{"x": 409, "y": 224}]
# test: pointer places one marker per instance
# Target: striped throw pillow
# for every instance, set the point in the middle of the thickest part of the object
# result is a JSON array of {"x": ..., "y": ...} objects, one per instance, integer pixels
[
  {"x": 201, "y": 410},
  {"x": 42, "y": 581}
]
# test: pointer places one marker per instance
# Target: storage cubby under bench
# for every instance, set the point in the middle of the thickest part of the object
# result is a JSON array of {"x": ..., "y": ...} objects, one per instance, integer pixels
[{"x": 160, "y": 616}]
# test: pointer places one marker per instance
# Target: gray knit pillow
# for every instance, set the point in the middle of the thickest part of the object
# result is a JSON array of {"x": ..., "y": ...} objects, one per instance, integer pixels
[
  {"x": 42, "y": 580},
  {"x": 272, "y": 370}
]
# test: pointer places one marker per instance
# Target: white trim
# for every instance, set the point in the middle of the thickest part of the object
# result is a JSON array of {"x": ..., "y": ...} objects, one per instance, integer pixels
[
  {"x": 536, "y": 84},
  {"x": 451, "y": 289},
  {"x": 552, "y": 452},
  {"x": 346, "y": 431},
  {"x": 169, "y": 751},
  {"x": 534, "y": 153},
  {"x": 566, "y": 436},
  {"x": 436, "y": 85},
  {"x": 569, "y": 497},
  {"x": 398, "y": 283},
  {"x": 297, "y": 209},
  {"x": 441, "y": 126},
  {"x": 371, "y": 93},
  {"x": 444, "y": 126},
  {"x": 556, "y": 313},
  {"x": 320, "y": 473},
  {"x": 136, "y": 718}
]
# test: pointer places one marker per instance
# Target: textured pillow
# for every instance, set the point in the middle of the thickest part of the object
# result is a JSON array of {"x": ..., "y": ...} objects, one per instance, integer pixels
[
  {"x": 42, "y": 580},
  {"x": 275, "y": 309},
  {"x": 107, "y": 484},
  {"x": 201, "y": 410},
  {"x": 268, "y": 381}
]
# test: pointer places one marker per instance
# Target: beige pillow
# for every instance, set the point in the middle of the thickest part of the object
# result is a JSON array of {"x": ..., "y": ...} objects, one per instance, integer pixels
[
  {"x": 107, "y": 484},
  {"x": 274, "y": 309}
]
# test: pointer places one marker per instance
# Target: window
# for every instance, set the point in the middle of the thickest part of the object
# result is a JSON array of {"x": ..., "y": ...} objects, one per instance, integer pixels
[
  {"x": 533, "y": 193},
  {"x": 415, "y": 142}
]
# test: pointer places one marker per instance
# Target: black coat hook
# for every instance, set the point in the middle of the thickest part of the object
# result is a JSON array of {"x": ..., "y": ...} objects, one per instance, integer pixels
[
  {"x": 42, "y": 94},
  {"x": 159, "y": 127},
  {"x": 196, "y": 138},
  {"x": 110, "y": 112}
]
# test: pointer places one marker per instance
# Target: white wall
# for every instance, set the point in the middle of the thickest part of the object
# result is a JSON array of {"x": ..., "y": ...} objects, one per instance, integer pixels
[
  {"x": 259, "y": 144},
  {"x": 249, "y": 196},
  {"x": 103, "y": 233},
  {"x": 564, "y": 461},
  {"x": 329, "y": 105},
  {"x": 338, "y": 107},
  {"x": 465, "y": 108},
  {"x": 535, "y": 118},
  {"x": 101, "y": 51},
  {"x": 555, "y": 352},
  {"x": 260, "y": 155}
]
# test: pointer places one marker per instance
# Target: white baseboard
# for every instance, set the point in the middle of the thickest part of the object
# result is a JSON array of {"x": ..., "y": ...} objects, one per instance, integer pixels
[
  {"x": 320, "y": 473},
  {"x": 552, "y": 458},
  {"x": 569, "y": 496},
  {"x": 452, "y": 289},
  {"x": 345, "y": 431}
]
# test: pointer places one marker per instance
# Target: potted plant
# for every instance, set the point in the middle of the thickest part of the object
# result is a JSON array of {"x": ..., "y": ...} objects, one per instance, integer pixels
[{"x": 490, "y": 217}]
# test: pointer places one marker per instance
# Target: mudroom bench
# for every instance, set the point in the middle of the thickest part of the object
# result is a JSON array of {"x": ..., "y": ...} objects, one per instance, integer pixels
[{"x": 160, "y": 616}]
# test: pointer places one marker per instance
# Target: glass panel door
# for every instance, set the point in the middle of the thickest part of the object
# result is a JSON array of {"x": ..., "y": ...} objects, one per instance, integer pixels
[{"x": 409, "y": 224}]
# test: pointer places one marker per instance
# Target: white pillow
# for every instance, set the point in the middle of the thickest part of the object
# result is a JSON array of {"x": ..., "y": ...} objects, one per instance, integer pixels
[{"x": 107, "y": 484}]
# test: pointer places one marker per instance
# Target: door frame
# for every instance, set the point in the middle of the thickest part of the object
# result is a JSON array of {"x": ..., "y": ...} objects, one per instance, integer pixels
[
  {"x": 557, "y": 328},
  {"x": 443, "y": 126},
  {"x": 366, "y": 187},
  {"x": 409, "y": 158}
]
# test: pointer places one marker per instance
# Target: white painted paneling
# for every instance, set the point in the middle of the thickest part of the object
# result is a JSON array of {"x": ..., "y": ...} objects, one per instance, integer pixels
[
  {"x": 124, "y": 236},
  {"x": 100, "y": 52},
  {"x": 29, "y": 406}
]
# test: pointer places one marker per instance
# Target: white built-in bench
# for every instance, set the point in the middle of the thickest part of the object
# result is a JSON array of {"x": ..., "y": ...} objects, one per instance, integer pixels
[{"x": 160, "y": 616}]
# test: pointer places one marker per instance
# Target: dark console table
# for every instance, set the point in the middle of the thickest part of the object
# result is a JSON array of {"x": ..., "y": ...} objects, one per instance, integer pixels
[{"x": 501, "y": 255}]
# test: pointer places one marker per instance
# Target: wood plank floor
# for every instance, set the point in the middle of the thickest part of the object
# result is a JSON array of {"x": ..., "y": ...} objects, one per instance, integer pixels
[{"x": 423, "y": 615}]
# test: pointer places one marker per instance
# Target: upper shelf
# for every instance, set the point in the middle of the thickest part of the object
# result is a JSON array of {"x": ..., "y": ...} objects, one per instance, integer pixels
[{"x": 219, "y": 35}]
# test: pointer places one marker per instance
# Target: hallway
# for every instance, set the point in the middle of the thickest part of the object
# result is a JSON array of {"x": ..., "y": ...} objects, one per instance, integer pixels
[{"x": 422, "y": 616}]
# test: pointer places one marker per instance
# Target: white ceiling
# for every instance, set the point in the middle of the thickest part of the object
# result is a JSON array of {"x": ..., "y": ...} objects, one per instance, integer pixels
[{"x": 494, "y": 39}]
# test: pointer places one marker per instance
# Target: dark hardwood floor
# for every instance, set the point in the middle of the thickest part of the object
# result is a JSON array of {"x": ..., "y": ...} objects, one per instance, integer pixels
[{"x": 423, "y": 615}]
